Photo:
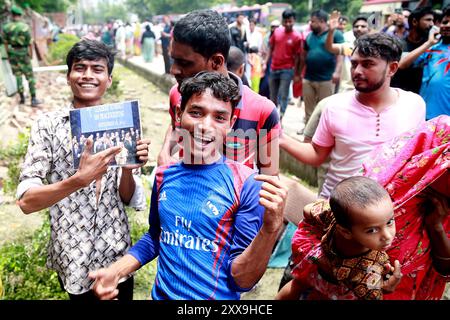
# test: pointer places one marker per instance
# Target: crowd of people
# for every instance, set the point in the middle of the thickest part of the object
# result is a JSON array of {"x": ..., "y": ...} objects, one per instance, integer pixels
[
  {"x": 149, "y": 38},
  {"x": 376, "y": 113}
]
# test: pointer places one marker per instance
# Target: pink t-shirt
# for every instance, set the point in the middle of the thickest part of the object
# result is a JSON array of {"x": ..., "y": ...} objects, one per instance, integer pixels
[
  {"x": 286, "y": 45},
  {"x": 355, "y": 130}
]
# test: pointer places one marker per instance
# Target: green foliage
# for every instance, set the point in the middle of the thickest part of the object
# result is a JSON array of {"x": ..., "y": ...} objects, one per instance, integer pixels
[
  {"x": 144, "y": 278},
  {"x": 25, "y": 276},
  {"x": 353, "y": 9},
  {"x": 1, "y": 287},
  {"x": 23, "y": 270},
  {"x": 138, "y": 223},
  {"x": 147, "y": 8},
  {"x": 47, "y": 5},
  {"x": 58, "y": 50},
  {"x": 346, "y": 7},
  {"x": 12, "y": 155},
  {"x": 141, "y": 7},
  {"x": 104, "y": 12},
  {"x": 143, "y": 281},
  {"x": 115, "y": 91}
]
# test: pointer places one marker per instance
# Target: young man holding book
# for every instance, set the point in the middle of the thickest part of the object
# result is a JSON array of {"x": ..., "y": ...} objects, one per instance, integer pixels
[{"x": 89, "y": 226}]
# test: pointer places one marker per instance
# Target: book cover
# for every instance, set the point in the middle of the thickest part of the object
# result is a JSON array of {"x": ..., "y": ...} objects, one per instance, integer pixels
[{"x": 108, "y": 125}]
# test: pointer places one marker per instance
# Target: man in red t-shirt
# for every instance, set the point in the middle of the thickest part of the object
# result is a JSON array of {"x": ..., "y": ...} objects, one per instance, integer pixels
[{"x": 285, "y": 48}]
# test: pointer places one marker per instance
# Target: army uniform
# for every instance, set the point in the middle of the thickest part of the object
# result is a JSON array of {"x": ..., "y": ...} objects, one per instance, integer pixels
[
  {"x": 5, "y": 8},
  {"x": 17, "y": 35}
]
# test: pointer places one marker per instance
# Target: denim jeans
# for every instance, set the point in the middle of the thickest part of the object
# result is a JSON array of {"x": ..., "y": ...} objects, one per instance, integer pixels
[{"x": 279, "y": 83}]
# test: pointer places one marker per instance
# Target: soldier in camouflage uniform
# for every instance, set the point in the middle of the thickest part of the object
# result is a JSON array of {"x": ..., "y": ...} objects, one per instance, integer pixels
[{"x": 17, "y": 39}]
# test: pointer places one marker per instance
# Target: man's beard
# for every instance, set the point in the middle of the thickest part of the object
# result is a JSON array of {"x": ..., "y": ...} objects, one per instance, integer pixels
[
  {"x": 316, "y": 30},
  {"x": 424, "y": 33},
  {"x": 371, "y": 87}
]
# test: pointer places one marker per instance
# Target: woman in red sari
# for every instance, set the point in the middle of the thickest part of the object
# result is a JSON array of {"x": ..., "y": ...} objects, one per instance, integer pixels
[{"x": 413, "y": 168}]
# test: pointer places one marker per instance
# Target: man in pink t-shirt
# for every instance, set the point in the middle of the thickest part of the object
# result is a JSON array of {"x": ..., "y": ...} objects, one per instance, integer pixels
[
  {"x": 355, "y": 122},
  {"x": 285, "y": 48},
  {"x": 354, "y": 129}
]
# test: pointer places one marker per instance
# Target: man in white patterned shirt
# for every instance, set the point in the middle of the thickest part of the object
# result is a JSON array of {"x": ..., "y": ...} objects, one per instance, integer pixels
[{"x": 89, "y": 225}]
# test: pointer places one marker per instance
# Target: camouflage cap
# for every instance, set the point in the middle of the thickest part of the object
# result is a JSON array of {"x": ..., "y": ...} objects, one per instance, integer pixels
[{"x": 16, "y": 10}]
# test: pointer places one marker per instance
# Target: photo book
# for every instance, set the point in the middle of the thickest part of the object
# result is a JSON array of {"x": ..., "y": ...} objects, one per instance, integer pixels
[{"x": 108, "y": 125}]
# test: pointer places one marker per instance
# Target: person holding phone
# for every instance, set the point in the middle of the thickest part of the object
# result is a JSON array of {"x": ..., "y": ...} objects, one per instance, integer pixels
[
  {"x": 434, "y": 55},
  {"x": 420, "y": 23}
]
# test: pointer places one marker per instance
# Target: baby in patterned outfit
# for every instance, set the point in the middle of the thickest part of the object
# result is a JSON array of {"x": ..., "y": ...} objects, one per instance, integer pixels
[{"x": 341, "y": 245}]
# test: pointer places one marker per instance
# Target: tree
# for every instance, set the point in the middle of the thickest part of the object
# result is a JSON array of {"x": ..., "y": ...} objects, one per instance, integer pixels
[
  {"x": 46, "y": 5},
  {"x": 349, "y": 8},
  {"x": 147, "y": 8},
  {"x": 141, "y": 7},
  {"x": 105, "y": 12}
]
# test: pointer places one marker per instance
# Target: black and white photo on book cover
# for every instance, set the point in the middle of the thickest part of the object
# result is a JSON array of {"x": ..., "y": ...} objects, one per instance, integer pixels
[{"x": 108, "y": 125}]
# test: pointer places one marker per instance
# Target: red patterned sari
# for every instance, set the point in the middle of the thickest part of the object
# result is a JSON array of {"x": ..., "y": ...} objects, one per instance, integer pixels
[{"x": 405, "y": 167}]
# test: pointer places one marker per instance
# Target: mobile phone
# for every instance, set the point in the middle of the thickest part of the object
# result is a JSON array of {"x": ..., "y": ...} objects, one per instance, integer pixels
[{"x": 437, "y": 35}]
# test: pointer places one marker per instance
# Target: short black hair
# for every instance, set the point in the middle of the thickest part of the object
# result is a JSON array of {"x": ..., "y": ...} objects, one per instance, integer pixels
[
  {"x": 91, "y": 50},
  {"x": 343, "y": 18},
  {"x": 206, "y": 31},
  {"x": 287, "y": 14},
  {"x": 320, "y": 14},
  {"x": 446, "y": 11},
  {"x": 379, "y": 45},
  {"x": 253, "y": 49},
  {"x": 236, "y": 58},
  {"x": 221, "y": 86},
  {"x": 437, "y": 14},
  {"x": 418, "y": 13},
  {"x": 354, "y": 192},
  {"x": 359, "y": 18}
]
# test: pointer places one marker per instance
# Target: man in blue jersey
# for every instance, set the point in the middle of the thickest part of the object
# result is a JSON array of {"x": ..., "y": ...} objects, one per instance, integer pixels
[{"x": 213, "y": 221}]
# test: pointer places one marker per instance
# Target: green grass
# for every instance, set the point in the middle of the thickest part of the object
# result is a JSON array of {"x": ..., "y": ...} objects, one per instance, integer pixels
[{"x": 23, "y": 271}]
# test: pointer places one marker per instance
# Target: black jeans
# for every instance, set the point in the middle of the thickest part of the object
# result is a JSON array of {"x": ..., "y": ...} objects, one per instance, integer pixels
[{"x": 125, "y": 292}]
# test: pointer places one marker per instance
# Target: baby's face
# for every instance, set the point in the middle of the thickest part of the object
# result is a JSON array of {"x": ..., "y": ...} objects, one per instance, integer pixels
[{"x": 374, "y": 226}]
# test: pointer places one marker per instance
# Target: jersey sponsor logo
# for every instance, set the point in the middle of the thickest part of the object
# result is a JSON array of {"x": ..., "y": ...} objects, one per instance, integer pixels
[
  {"x": 162, "y": 196},
  {"x": 187, "y": 241},
  {"x": 213, "y": 205},
  {"x": 213, "y": 208}
]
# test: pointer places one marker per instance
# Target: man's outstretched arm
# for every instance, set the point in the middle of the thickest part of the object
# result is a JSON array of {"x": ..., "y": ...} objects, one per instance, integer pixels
[{"x": 249, "y": 266}]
